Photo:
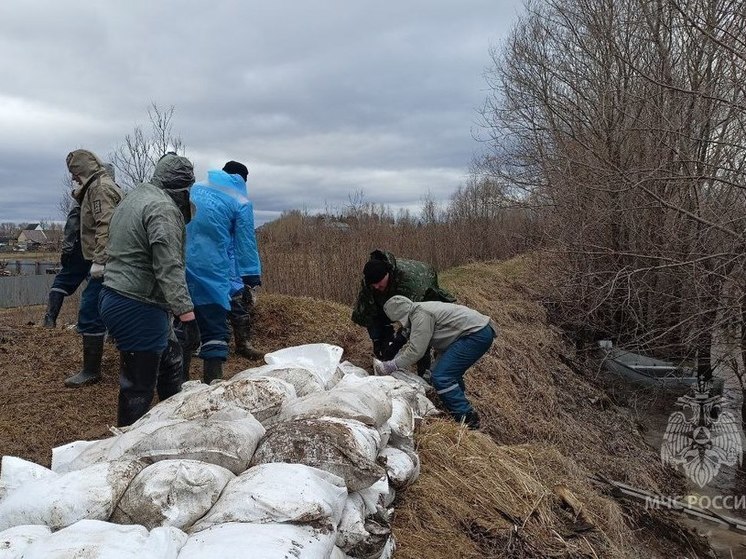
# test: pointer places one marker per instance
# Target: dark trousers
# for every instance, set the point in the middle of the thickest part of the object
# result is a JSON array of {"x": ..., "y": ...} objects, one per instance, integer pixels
[
  {"x": 75, "y": 269},
  {"x": 213, "y": 327},
  {"x": 89, "y": 317}
]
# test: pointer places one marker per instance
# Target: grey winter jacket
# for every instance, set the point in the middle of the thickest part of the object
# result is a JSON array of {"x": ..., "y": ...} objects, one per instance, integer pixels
[
  {"x": 146, "y": 241},
  {"x": 432, "y": 323}
]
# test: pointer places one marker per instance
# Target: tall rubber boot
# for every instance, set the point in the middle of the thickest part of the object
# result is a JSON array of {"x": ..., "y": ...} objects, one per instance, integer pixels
[
  {"x": 242, "y": 335},
  {"x": 213, "y": 370},
  {"x": 137, "y": 380},
  {"x": 170, "y": 371},
  {"x": 56, "y": 298},
  {"x": 93, "y": 350}
]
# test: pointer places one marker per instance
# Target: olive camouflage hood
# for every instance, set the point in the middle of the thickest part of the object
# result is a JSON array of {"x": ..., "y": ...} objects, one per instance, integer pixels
[
  {"x": 398, "y": 308},
  {"x": 173, "y": 172}
]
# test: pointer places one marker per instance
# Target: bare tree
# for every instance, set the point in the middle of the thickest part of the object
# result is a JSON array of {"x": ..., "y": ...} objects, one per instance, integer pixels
[{"x": 136, "y": 157}]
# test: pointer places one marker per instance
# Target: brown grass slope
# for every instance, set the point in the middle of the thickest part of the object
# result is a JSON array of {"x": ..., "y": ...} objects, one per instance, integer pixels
[{"x": 480, "y": 495}]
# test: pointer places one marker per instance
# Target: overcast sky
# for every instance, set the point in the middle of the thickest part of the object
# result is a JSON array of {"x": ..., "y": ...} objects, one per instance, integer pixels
[{"x": 321, "y": 99}]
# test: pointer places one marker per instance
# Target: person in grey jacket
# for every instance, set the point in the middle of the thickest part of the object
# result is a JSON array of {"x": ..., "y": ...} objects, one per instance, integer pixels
[
  {"x": 458, "y": 334},
  {"x": 145, "y": 287}
]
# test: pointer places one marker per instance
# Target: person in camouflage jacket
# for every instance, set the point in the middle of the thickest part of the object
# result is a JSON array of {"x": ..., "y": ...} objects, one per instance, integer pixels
[{"x": 383, "y": 277}]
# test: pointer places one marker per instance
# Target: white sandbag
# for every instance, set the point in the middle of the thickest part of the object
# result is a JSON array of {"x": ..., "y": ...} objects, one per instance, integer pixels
[
  {"x": 303, "y": 380},
  {"x": 384, "y": 431},
  {"x": 170, "y": 408},
  {"x": 351, "y": 529},
  {"x": 14, "y": 541},
  {"x": 401, "y": 421},
  {"x": 63, "y": 456},
  {"x": 93, "y": 539},
  {"x": 337, "y": 554},
  {"x": 387, "y": 384},
  {"x": 412, "y": 379},
  {"x": 263, "y": 397},
  {"x": 268, "y": 541},
  {"x": 321, "y": 358},
  {"x": 14, "y": 472},
  {"x": 171, "y": 493},
  {"x": 344, "y": 447},
  {"x": 378, "y": 496},
  {"x": 351, "y": 369},
  {"x": 58, "y": 500},
  {"x": 379, "y": 544},
  {"x": 402, "y": 467},
  {"x": 229, "y": 444},
  {"x": 368, "y": 404},
  {"x": 280, "y": 493}
]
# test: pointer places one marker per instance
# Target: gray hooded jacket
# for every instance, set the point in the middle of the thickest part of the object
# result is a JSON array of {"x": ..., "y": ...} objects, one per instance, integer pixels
[
  {"x": 146, "y": 240},
  {"x": 432, "y": 323}
]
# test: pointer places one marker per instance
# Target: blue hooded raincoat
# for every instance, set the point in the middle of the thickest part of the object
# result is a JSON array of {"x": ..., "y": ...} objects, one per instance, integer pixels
[{"x": 221, "y": 242}]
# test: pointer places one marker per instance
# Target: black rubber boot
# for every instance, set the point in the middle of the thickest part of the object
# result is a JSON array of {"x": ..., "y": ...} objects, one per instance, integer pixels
[
  {"x": 137, "y": 381},
  {"x": 170, "y": 371},
  {"x": 213, "y": 370},
  {"x": 93, "y": 350},
  {"x": 242, "y": 335},
  {"x": 56, "y": 298},
  {"x": 472, "y": 420}
]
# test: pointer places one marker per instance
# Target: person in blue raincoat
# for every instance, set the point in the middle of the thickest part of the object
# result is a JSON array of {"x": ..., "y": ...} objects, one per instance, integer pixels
[{"x": 224, "y": 222}]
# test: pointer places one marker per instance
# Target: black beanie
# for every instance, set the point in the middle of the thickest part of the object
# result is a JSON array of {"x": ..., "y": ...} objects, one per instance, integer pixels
[
  {"x": 236, "y": 168},
  {"x": 375, "y": 270}
]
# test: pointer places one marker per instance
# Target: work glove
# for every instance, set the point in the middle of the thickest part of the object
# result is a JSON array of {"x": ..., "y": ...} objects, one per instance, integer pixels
[
  {"x": 384, "y": 367},
  {"x": 251, "y": 281},
  {"x": 191, "y": 335},
  {"x": 97, "y": 270},
  {"x": 248, "y": 296}
]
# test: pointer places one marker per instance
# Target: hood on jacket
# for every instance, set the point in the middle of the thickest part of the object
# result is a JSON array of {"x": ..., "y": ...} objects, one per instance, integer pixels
[
  {"x": 231, "y": 180},
  {"x": 84, "y": 164},
  {"x": 173, "y": 172},
  {"x": 398, "y": 308}
]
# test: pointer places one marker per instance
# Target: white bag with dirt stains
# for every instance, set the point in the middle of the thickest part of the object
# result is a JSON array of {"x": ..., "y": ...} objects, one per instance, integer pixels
[
  {"x": 337, "y": 554},
  {"x": 320, "y": 358},
  {"x": 368, "y": 404},
  {"x": 171, "y": 493},
  {"x": 378, "y": 496},
  {"x": 14, "y": 541},
  {"x": 229, "y": 444},
  {"x": 402, "y": 418},
  {"x": 168, "y": 408},
  {"x": 260, "y": 397},
  {"x": 344, "y": 447},
  {"x": 280, "y": 493},
  {"x": 402, "y": 467},
  {"x": 303, "y": 380},
  {"x": 352, "y": 369},
  {"x": 63, "y": 457},
  {"x": 15, "y": 472},
  {"x": 266, "y": 541},
  {"x": 351, "y": 529},
  {"x": 58, "y": 500},
  {"x": 93, "y": 539}
]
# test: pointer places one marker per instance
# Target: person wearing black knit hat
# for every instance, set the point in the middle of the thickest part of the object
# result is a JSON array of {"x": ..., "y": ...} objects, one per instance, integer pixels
[
  {"x": 236, "y": 168},
  {"x": 383, "y": 277}
]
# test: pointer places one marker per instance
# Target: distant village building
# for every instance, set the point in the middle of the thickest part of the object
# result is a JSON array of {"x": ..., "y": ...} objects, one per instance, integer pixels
[{"x": 34, "y": 237}]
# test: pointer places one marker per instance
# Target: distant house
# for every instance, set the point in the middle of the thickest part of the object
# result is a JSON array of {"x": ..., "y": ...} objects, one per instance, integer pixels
[{"x": 32, "y": 238}]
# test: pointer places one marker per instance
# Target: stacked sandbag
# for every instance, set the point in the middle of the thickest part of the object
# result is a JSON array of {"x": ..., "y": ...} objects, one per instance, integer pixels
[
  {"x": 93, "y": 539},
  {"x": 172, "y": 493},
  {"x": 60, "y": 500},
  {"x": 301, "y": 457}
]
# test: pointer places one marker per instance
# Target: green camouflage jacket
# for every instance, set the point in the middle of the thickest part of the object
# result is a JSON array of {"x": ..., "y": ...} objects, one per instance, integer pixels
[{"x": 413, "y": 279}]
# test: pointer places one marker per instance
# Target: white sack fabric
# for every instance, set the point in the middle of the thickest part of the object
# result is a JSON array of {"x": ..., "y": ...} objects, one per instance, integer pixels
[
  {"x": 344, "y": 447},
  {"x": 171, "y": 493},
  {"x": 268, "y": 541},
  {"x": 280, "y": 493},
  {"x": 58, "y": 501},
  {"x": 93, "y": 539},
  {"x": 321, "y": 358},
  {"x": 14, "y": 541}
]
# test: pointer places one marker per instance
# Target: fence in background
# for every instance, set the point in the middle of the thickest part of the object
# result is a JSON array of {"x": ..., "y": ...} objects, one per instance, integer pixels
[{"x": 20, "y": 291}]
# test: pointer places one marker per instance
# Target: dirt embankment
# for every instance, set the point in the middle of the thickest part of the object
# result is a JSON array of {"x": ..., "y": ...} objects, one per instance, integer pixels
[{"x": 508, "y": 491}]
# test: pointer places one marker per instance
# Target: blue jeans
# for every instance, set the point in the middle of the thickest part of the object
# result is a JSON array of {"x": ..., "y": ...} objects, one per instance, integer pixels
[
  {"x": 89, "y": 318},
  {"x": 135, "y": 326},
  {"x": 214, "y": 334},
  {"x": 448, "y": 373}
]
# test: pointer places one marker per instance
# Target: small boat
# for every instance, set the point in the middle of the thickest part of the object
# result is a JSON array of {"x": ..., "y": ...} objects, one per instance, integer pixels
[{"x": 655, "y": 373}]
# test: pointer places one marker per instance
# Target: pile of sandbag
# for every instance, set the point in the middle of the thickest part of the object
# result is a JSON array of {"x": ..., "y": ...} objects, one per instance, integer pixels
[{"x": 300, "y": 457}]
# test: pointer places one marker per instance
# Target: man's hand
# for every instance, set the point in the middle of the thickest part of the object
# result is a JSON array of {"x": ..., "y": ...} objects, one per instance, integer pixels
[
  {"x": 191, "y": 332},
  {"x": 97, "y": 270},
  {"x": 384, "y": 367}
]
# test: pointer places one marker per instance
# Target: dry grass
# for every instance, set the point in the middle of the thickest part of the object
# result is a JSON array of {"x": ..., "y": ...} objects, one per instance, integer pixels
[{"x": 480, "y": 495}]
